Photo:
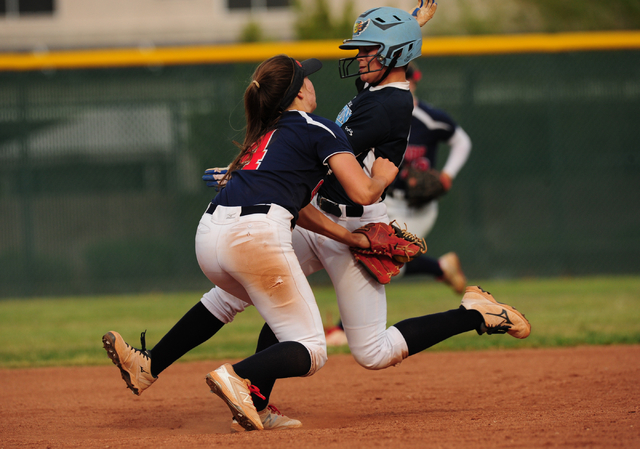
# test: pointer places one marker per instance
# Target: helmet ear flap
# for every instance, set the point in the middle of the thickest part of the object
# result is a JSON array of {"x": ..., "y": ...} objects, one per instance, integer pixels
[{"x": 396, "y": 54}]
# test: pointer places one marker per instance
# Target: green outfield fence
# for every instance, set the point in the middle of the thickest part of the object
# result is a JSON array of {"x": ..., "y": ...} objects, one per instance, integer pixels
[{"x": 101, "y": 154}]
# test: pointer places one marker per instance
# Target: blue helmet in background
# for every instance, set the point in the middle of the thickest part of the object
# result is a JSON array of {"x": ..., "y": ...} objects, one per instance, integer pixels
[{"x": 395, "y": 32}]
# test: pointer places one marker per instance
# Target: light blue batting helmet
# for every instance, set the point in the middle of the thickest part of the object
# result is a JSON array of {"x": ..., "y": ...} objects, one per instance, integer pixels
[{"x": 396, "y": 33}]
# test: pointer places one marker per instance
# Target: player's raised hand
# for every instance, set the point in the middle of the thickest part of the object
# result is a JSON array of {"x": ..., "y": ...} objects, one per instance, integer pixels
[
  {"x": 424, "y": 11},
  {"x": 213, "y": 177}
]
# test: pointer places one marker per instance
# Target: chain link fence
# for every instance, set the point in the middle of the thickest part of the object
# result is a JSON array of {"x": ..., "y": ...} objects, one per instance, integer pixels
[{"x": 100, "y": 169}]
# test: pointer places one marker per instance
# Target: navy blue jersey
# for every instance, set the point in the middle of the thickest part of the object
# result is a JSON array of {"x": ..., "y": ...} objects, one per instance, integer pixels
[
  {"x": 429, "y": 127},
  {"x": 287, "y": 164},
  {"x": 377, "y": 120}
]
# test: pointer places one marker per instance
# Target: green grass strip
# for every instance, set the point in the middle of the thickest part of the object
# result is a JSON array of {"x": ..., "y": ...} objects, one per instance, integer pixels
[{"x": 563, "y": 312}]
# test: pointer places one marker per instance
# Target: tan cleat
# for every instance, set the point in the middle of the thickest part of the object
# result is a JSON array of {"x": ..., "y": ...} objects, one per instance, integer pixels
[
  {"x": 236, "y": 392},
  {"x": 453, "y": 275},
  {"x": 134, "y": 364},
  {"x": 271, "y": 419},
  {"x": 498, "y": 318}
]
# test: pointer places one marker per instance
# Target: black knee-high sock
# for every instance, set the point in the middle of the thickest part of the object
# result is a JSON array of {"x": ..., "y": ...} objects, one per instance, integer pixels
[
  {"x": 267, "y": 338},
  {"x": 279, "y": 361},
  {"x": 423, "y": 332},
  {"x": 424, "y": 265},
  {"x": 194, "y": 328}
]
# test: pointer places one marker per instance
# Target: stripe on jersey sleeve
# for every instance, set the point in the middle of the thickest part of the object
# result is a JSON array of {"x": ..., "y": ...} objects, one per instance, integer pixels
[
  {"x": 429, "y": 121},
  {"x": 311, "y": 121}
]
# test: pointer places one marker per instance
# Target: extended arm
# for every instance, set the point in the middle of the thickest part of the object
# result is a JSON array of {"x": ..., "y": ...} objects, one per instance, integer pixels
[
  {"x": 312, "y": 219},
  {"x": 460, "y": 145}
]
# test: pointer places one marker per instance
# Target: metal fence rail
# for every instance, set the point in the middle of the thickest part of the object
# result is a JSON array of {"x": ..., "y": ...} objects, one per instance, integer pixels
[{"x": 100, "y": 168}]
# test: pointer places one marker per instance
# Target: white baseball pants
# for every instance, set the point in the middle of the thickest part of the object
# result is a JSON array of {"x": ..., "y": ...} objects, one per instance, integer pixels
[
  {"x": 362, "y": 301},
  {"x": 419, "y": 220},
  {"x": 250, "y": 259}
]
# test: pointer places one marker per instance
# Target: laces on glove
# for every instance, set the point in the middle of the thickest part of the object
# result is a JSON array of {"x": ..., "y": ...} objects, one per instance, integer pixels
[
  {"x": 405, "y": 234},
  {"x": 143, "y": 340}
]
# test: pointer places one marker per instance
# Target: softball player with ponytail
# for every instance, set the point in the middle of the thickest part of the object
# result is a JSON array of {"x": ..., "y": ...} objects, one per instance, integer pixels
[{"x": 244, "y": 243}]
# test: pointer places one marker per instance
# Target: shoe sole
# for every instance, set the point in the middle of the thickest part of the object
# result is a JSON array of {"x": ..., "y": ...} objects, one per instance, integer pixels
[
  {"x": 237, "y": 428},
  {"x": 237, "y": 412},
  {"x": 109, "y": 343}
]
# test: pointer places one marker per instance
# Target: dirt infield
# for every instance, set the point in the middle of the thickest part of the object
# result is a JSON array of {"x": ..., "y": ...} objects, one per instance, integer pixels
[{"x": 584, "y": 397}]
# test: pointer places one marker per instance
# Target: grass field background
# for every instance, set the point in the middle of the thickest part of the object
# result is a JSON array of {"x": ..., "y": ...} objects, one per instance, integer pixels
[{"x": 563, "y": 312}]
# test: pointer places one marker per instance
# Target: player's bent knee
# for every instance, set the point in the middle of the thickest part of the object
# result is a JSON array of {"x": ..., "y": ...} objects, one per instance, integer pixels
[
  {"x": 373, "y": 363},
  {"x": 222, "y": 305},
  {"x": 318, "y": 355},
  {"x": 389, "y": 350}
]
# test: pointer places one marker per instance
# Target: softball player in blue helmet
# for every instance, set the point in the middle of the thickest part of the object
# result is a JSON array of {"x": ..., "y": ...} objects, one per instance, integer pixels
[
  {"x": 377, "y": 123},
  {"x": 429, "y": 128}
]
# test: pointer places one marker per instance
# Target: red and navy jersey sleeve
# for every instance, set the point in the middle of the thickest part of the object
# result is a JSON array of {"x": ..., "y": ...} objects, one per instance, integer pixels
[
  {"x": 327, "y": 137},
  {"x": 286, "y": 165}
]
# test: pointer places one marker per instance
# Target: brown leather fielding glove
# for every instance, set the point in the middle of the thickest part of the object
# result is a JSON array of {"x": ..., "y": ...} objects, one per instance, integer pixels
[{"x": 390, "y": 248}]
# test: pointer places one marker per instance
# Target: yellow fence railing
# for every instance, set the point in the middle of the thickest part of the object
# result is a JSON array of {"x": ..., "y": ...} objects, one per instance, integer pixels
[{"x": 323, "y": 49}]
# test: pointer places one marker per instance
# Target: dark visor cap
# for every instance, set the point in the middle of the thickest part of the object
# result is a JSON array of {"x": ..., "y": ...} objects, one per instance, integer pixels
[
  {"x": 310, "y": 66},
  {"x": 302, "y": 70}
]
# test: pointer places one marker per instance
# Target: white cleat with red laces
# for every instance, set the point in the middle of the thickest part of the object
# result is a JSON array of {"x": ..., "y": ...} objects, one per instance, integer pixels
[
  {"x": 272, "y": 419},
  {"x": 236, "y": 392}
]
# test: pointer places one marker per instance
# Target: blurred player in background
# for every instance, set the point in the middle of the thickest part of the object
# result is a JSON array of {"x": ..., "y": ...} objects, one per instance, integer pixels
[{"x": 429, "y": 128}]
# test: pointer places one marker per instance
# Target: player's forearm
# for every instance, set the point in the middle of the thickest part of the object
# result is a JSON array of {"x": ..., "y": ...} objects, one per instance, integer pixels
[
  {"x": 367, "y": 191},
  {"x": 460, "y": 144},
  {"x": 370, "y": 189},
  {"x": 374, "y": 189},
  {"x": 312, "y": 219},
  {"x": 358, "y": 185}
]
